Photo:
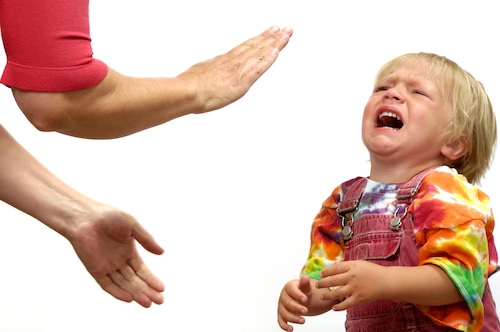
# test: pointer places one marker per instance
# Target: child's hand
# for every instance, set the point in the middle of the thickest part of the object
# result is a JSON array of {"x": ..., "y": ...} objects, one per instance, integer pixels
[
  {"x": 293, "y": 302},
  {"x": 352, "y": 282}
]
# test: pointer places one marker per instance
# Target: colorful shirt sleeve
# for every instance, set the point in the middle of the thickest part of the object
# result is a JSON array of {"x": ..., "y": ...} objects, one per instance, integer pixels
[
  {"x": 454, "y": 225},
  {"x": 47, "y": 44},
  {"x": 327, "y": 245}
]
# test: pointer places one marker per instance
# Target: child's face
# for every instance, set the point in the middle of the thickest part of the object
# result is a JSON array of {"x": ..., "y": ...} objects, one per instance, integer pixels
[{"x": 405, "y": 118}]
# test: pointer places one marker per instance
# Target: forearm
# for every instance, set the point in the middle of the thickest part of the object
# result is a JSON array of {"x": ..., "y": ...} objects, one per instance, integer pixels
[
  {"x": 424, "y": 285},
  {"x": 360, "y": 281},
  {"x": 28, "y": 186},
  {"x": 118, "y": 106}
]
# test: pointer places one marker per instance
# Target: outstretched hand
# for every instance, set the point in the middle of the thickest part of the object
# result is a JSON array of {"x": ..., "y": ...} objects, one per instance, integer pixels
[
  {"x": 105, "y": 244},
  {"x": 227, "y": 77}
]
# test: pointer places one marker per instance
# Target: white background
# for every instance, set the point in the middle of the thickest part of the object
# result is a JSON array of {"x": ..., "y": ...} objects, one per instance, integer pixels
[{"x": 230, "y": 194}]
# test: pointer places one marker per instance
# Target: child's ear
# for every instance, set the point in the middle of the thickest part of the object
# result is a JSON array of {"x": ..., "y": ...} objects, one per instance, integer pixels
[{"x": 455, "y": 149}]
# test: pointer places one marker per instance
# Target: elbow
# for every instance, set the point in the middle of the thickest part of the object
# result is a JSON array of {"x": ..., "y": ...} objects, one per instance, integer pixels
[
  {"x": 43, "y": 120},
  {"x": 44, "y": 110}
]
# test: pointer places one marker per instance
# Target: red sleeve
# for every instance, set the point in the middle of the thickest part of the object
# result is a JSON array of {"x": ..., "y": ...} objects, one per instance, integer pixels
[{"x": 47, "y": 45}]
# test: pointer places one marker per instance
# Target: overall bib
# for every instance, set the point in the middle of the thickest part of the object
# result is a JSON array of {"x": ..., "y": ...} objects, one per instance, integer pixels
[{"x": 389, "y": 240}]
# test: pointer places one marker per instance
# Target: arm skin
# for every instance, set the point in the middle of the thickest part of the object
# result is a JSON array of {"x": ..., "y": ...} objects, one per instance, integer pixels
[
  {"x": 102, "y": 236},
  {"x": 357, "y": 282},
  {"x": 122, "y": 105},
  {"x": 362, "y": 281}
]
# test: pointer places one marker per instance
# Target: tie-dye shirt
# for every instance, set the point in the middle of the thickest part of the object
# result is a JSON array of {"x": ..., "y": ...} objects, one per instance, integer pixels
[{"x": 453, "y": 223}]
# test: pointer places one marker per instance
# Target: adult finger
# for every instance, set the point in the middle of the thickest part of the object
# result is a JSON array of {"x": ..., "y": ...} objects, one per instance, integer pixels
[
  {"x": 274, "y": 37},
  {"x": 135, "y": 287},
  {"x": 141, "y": 271},
  {"x": 111, "y": 288},
  {"x": 146, "y": 240}
]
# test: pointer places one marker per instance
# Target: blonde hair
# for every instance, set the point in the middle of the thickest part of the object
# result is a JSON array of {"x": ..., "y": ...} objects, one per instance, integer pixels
[{"x": 472, "y": 118}]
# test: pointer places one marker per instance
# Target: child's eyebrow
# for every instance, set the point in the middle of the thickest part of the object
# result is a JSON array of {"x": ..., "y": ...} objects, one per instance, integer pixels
[{"x": 411, "y": 81}]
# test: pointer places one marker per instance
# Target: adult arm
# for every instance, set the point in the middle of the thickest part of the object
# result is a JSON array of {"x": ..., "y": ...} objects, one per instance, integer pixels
[
  {"x": 103, "y": 237},
  {"x": 121, "y": 105}
]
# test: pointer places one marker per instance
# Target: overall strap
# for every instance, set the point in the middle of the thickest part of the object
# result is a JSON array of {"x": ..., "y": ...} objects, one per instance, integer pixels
[
  {"x": 404, "y": 197},
  {"x": 405, "y": 193},
  {"x": 350, "y": 200},
  {"x": 349, "y": 205}
]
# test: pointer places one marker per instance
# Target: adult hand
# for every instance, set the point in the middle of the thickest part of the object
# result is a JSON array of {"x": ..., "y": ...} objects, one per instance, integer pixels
[
  {"x": 105, "y": 243},
  {"x": 227, "y": 77}
]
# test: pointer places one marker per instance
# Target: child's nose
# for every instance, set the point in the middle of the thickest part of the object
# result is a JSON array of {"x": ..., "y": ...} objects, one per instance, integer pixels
[{"x": 392, "y": 94}]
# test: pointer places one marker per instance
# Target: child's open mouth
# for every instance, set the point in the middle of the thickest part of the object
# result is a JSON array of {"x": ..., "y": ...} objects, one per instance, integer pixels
[{"x": 389, "y": 120}]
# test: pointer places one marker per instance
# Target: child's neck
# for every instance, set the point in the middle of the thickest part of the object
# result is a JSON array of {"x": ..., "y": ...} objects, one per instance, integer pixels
[{"x": 396, "y": 173}]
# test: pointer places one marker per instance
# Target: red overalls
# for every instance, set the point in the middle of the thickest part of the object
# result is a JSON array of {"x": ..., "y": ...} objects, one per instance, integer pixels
[{"x": 390, "y": 241}]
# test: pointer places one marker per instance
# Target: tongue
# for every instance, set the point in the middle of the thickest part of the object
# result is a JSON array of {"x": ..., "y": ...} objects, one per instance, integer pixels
[{"x": 389, "y": 121}]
